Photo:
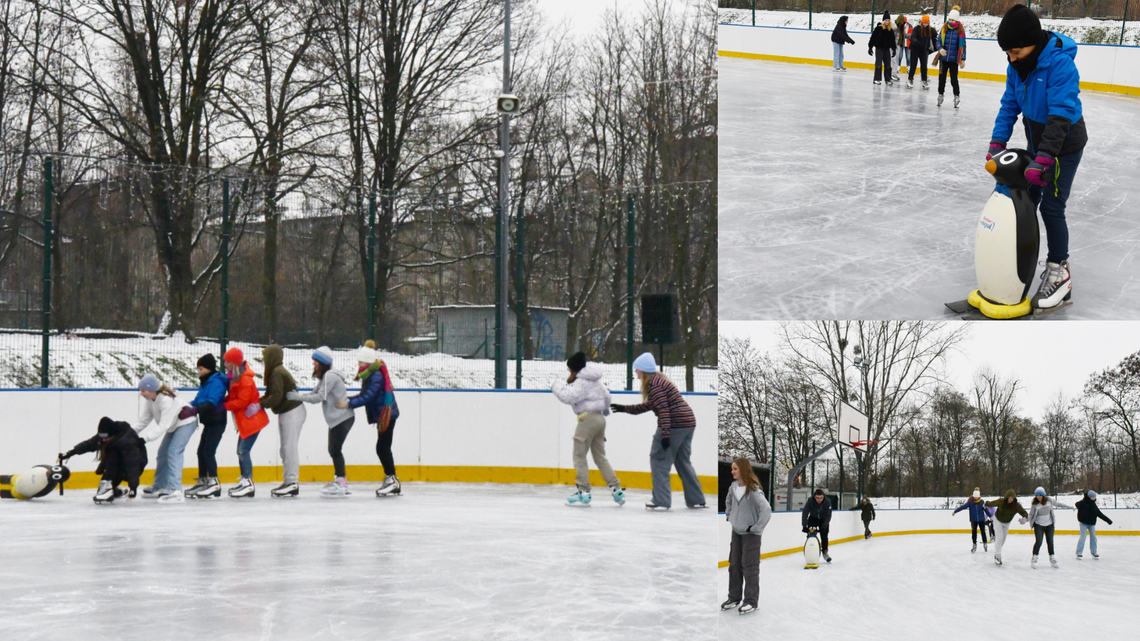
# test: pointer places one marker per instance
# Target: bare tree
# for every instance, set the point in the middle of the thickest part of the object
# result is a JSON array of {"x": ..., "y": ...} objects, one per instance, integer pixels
[
  {"x": 1059, "y": 439},
  {"x": 1115, "y": 393},
  {"x": 1002, "y": 435},
  {"x": 744, "y": 405}
]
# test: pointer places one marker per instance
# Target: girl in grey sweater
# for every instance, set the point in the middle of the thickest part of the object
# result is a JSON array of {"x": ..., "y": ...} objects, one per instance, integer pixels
[
  {"x": 329, "y": 391},
  {"x": 748, "y": 512},
  {"x": 1042, "y": 518}
]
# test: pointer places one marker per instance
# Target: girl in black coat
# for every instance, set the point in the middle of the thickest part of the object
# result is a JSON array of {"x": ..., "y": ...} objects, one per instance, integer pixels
[
  {"x": 882, "y": 47},
  {"x": 122, "y": 457},
  {"x": 839, "y": 37},
  {"x": 922, "y": 43}
]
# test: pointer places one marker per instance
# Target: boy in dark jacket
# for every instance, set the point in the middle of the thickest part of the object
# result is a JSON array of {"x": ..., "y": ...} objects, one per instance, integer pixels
[
  {"x": 817, "y": 514},
  {"x": 1087, "y": 514},
  {"x": 207, "y": 406},
  {"x": 839, "y": 37},
  {"x": 121, "y": 456},
  {"x": 867, "y": 516},
  {"x": 922, "y": 40},
  {"x": 978, "y": 518},
  {"x": 882, "y": 47}
]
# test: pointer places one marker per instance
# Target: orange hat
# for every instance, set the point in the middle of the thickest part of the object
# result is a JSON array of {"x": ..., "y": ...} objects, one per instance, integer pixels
[
  {"x": 925, "y": 19},
  {"x": 234, "y": 355}
]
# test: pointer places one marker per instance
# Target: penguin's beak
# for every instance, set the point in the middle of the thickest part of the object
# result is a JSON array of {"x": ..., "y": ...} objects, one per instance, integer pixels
[{"x": 991, "y": 166}]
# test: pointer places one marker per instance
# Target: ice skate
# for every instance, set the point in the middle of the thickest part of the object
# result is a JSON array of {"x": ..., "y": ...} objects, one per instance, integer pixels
[
  {"x": 729, "y": 605},
  {"x": 957, "y": 101},
  {"x": 1056, "y": 289},
  {"x": 619, "y": 496},
  {"x": 123, "y": 493},
  {"x": 985, "y": 547},
  {"x": 1078, "y": 557},
  {"x": 1033, "y": 562},
  {"x": 890, "y": 82},
  {"x": 747, "y": 608},
  {"x": 867, "y": 536},
  {"x": 243, "y": 489},
  {"x": 1053, "y": 561},
  {"x": 878, "y": 82},
  {"x": 390, "y": 487},
  {"x": 997, "y": 559},
  {"x": 285, "y": 489},
  {"x": 910, "y": 83},
  {"x": 1095, "y": 555},
  {"x": 698, "y": 506},
  {"x": 172, "y": 497},
  {"x": 336, "y": 489},
  {"x": 941, "y": 97},
  {"x": 105, "y": 493},
  {"x": 150, "y": 492},
  {"x": 926, "y": 85},
  {"x": 211, "y": 490},
  {"x": 579, "y": 498},
  {"x": 975, "y": 548},
  {"x": 653, "y": 506},
  {"x": 826, "y": 557},
  {"x": 199, "y": 484},
  {"x": 843, "y": 68}
]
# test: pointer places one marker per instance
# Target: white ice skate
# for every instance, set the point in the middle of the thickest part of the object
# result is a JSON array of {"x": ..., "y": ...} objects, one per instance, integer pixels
[
  {"x": 105, "y": 493},
  {"x": 211, "y": 490},
  {"x": 1095, "y": 555},
  {"x": 878, "y": 82},
  {"x": 285, "y": 489},
  {"x": 150, "y": 492},
  {"x": 910, "y": 83},
  {"x": 729, "y": 605},
  {"x": 172, "y": 497},
  {"x": 390, "y": 487},
  {"x": 957, "y": 101},
  {"x": 243, "y": 489},
  {"x": 199, "y": 484},
  {"x": 941, "y": 97},
  {"x": 1033, "y": 562},
  {"x": 975, "y": 548},
  {"x": 1078, "y": 557},
  {"x": 1053, "y": 561},
  {"x": 926, "y": 84},
  {"x": 747, "y": 608},
  {"x": 1056, "y": 289},
  {"x": 997, "y": 559},
  {"x": 985, "y": 546},
  {"x": 336, "y": 489}
]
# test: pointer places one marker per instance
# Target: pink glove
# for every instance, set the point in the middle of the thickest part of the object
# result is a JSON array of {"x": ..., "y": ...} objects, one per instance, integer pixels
[
  {"x": 1038, "y": 169},
  {"x": 251, "y": 409},
  {"x": 187, "y": 412},
  {"x": 1022, "y": 520},
  {"x": 996, "y": 147}
]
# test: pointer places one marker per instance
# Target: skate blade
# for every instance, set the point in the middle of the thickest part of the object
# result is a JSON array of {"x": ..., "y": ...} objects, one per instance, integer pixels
[{"x": 1042, "y": 312}]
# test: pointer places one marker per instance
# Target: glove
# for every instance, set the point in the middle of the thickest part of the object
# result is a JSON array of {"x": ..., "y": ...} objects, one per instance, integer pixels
[
  {"x": 996, "y": 147},
  {"x": 342, "y": 404},
  {"x": 1022, "y": 520},
  {"x": 941, "y": 52},
  {"x": 1038, "y": 169},
  {"x": 870, "y": 51},
  {"x": 251, "y": 409},
  {"x": 614, "y": 407},
  {"x": 805, "y": 529},
  {"x": 293, "y": 396},
  {"x": 665, "y": 442},
  {"x": 63, "y": 457},
  {"x": 187, "y": 412},
  {"x": 748, "y": 529}
]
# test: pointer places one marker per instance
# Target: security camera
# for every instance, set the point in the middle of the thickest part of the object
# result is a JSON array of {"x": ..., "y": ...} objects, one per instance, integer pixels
[{"x": 508, "y": 103}]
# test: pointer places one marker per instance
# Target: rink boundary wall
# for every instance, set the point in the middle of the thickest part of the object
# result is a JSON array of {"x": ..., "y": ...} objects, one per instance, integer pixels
[
  {"x": 1107, "y": 68},
  {"x": 784, "y": 535},
  {"x": 467, "y": 436}
]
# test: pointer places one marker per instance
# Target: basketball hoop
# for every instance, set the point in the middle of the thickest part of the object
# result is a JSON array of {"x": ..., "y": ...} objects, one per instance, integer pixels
[{"x": 862, "y": 444}]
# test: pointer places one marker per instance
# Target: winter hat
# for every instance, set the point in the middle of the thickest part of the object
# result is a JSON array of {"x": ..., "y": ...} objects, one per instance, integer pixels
[
  {"x": 1019, "y": 27},
  {"x": 105, "y": 425},
  {"x": 234, "y": 356},
  {"x": 977, "y": 493},
  {"x": 576, "y": 362},
  {"x": 1039, "y": 491},
  {"x": 323, "y": 355},
  {"x": 150, "y": 383},
  {"x": 953, "y": 15},
  {"x": 208, "y": 362},
  {"x": 925, "y": 19},
  {"x": 886, "y": 16},
  {"x": 1092, "y": 494},
  {"x": 645, "y": 363},
  {"x": 367, "y": 353}
]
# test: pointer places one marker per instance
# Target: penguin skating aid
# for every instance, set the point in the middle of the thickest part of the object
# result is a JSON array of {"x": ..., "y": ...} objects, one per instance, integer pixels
[
  {"x": 39, "y": 481},
  {"x": 811, "y": 551}
]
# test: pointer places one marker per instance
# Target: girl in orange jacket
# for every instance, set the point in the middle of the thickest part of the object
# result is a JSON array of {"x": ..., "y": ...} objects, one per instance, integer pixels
[{"x": 245, "y": 402}]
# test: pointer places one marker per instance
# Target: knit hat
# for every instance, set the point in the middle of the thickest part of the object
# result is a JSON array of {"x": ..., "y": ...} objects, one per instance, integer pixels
[
  {"x": 367, "y": 353},
  {"x": 1092, "y": 494},
  {"x": 1019, "y": 27},
  {"x": 953, "y": 15},
  {"x": 886, "y": 16},
  {"x": 150, "y": 383},
  {"x": 645, "y": 363},
  {"x": 576, "y": 362},
  {"x": 1039, "y": 491},
  {"x": 105, "y": 425},
  {"x": 323, "y": 355},
  {"x": 208, "y": 362},
  {"x": 234, "y": 356},
  {"x": 977, "y": 493},
  {"x": 925, "y": 19}
]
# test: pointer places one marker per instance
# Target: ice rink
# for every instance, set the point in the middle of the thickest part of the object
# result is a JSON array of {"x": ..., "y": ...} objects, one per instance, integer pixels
[
  {"x": 841, "y": 199},
  {"x": 443, "y": 561},
  {"x": 931, "y": 587}
]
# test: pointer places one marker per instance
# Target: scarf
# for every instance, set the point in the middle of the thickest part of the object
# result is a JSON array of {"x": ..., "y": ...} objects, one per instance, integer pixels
[{"x": 1026, "y": 65}]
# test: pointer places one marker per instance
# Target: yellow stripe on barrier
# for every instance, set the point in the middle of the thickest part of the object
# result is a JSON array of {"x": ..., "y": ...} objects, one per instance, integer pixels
[{"x": 975, "y": 75}]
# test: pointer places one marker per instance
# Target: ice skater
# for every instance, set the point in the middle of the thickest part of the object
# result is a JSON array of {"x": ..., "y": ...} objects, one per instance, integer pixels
[
  {"x": 162, "y": 415},
  {"x": 817, "y": 514},
  {"x": 244, "y": 401},
  {"x": 207, "y": 407},
  {"x": 1042, "y": 85},
  {"x": 1087, "y": 514},
  {"x": 588, "y": 397},
  {"x": 902, "y": 42},
  {"x": 379, "y": 400},
  {"x": 748, "y": 511},
  {"x": 1004, "y": 510},
  {"x": 291, "y": 416},
  {"x": 922, "y": 43},
  {"x": 868, "y": 515},
  {"x": 978, "y": 517},
  {"x": 1041, "y": 516},
  {"x": 329, "y": 391},
  {"x": 882, "y": 47},
  {"x": 121, "y": 453},
  {"x": 951, "y": 55},
  {"x": 673, "y": 440},
  {"x": 839, "y": 37}
]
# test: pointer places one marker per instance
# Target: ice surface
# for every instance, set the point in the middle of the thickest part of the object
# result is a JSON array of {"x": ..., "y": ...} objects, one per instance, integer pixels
[
  {"x": 444, "y": 561},
  {"x": 929, "y": 586},
  {"x": 841, "y": 199}
]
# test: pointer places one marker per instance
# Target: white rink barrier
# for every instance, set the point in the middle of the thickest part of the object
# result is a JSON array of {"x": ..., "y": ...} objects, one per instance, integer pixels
[
  {"x": 441, "y": 435},
  {"x": 1102, "y": 67},
  {"x": 784, "y": 533}
]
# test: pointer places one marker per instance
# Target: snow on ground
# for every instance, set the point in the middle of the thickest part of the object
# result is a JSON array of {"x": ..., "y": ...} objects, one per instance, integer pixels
[
  {"x": 443, "y": 561},
  {"x": 121, "y": 362},
  {"x": 1103, "y": 499},
  {"x": 931, "y": 587},
  {"x": 1083, "y": 30}
]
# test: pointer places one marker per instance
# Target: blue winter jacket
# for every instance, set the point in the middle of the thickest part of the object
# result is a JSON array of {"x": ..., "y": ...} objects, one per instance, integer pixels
[
  {"x": 1047, "y": 100},
  {"x": 977, "y": 510},
  {"x": 209, "y": 399},
  {"x": 953, "y": 41},
  {"x": 373, "y": 397}
]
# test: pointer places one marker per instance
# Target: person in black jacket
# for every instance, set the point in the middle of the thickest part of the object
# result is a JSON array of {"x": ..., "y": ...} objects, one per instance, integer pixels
[
  {"x": 922, "y": 44},
  {"x": 839, "y": 37},
  {"x": 1087, "y": 514},
  {"x": 817, "y": 514},
  {"x": 122, "y": 457},
  {"x": 867, "y": 516},
  {"x": 882, "y": 47}
]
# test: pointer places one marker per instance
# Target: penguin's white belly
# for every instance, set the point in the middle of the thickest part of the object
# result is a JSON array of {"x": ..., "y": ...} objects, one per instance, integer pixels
[{"x": 995, "y": 252}]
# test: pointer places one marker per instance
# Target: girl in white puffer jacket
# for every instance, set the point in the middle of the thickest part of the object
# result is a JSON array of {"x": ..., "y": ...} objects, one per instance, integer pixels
[{"x": 585, "y": 393}]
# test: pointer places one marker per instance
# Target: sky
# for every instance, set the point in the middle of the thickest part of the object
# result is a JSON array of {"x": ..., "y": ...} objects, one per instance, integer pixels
[{"x": 1046, "y": 356}]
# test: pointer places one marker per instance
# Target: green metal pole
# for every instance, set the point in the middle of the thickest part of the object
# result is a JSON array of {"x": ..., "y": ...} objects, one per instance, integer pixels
[
  {"x": 772, "y": 469},
  {"x": 945, "y": 10},
  {"x": 225, "y": 338},
  {"x": 629, "y": 245},
  {"x": 371, "y": 283},
  {"x": 753, "y": 13},
  {"x": 809, "y": 15},
  {"x": 46, "y": 302},
  {"x": 1123, "y": 23},
  {"x": 872, "y": 31},
  {"x": 500, "y": 313},
  {"x": 520, "y": 313},
  {"x": 840, "y": 506}
]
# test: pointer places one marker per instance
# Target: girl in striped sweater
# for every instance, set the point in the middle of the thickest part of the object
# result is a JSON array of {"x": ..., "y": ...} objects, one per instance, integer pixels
[{"x": 673, "y": 441}]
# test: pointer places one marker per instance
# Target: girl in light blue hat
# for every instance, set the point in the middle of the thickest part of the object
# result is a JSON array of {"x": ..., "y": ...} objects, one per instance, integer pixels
[
  {"x": 162, "y": 409},
  {"x": 330, "y": 390}
]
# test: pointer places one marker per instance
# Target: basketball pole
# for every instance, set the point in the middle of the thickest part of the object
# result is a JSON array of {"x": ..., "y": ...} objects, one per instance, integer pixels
[{"x": 792, "y": 473}]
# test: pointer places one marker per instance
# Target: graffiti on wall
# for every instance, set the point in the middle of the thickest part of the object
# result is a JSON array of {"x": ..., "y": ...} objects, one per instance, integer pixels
[{"x": 547, "y": 347}]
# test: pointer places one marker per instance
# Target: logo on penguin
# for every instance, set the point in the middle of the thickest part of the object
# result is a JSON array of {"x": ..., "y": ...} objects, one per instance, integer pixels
[{"x": 987, "y": 223}]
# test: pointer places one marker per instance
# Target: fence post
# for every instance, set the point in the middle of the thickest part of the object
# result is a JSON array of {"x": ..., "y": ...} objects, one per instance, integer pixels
[
  {"x": 809, "y": 15},
  {"x": 629, "y": 245},
  {"x": 753, "y": 13},
  {"x": 371, "y": 282},
  {"x": 945, "y": 12},
  {"x": 520, "y": 308},
  {"x": 225, "y": 337},
  {"x": 873, "y": 21},
  {"x": 45, "y": 305},
  {"x": 1123, "y": 23}
]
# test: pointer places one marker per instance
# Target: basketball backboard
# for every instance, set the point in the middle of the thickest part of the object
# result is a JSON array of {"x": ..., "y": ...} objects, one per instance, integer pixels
[{"x": 853, "y": 427}]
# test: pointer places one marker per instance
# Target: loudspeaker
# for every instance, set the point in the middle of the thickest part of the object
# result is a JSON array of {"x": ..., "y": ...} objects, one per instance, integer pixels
[{"x": 659, "y": 319}]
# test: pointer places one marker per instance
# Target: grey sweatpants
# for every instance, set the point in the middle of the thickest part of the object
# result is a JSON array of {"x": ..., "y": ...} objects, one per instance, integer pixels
[
  {"x": 744, "y": 568},
  {"x": 290, "y": 424},
  {"x": 590, "y": 437},
  {"x": 661, "y": 462}
]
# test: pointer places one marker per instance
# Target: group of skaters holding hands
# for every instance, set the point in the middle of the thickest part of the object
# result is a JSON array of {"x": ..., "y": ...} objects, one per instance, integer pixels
[{"x": 120, "y": 447}]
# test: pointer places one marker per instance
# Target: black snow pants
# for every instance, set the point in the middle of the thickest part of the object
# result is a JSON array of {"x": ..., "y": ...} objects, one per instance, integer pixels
[
  {"x": 974, "y": 528},
  {"x": 1039, "y": 530},
  {"x": 952, "y": 68},
  {"x": 884, "y": 62}
]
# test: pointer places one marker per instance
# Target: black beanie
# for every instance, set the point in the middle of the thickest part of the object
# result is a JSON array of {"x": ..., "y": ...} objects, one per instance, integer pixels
[
  {"x": 106, "y": 427},
  {"x": 209, "y": 362},
  {"x": 886, "y": 16},
  {"x": 1020, "y": 27},
  {"x": 576, "y": 362}
]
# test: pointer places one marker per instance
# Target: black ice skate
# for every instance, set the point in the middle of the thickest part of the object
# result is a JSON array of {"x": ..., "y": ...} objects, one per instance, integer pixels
[
  {"x": 390, "y": 487},
  {"x": 285, "y": 489}
]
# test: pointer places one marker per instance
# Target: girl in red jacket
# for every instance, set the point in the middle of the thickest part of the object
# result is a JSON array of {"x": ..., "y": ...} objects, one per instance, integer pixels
[{"x": 245, "y": 403}]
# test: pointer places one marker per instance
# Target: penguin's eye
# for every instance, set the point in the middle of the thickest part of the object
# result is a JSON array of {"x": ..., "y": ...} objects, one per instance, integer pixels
[{"x": 1008, "y": 158}]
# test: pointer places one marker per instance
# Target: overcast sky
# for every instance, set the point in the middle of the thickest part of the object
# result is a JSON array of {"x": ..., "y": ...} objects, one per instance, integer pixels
[{"x": 1046, "y": 356}]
